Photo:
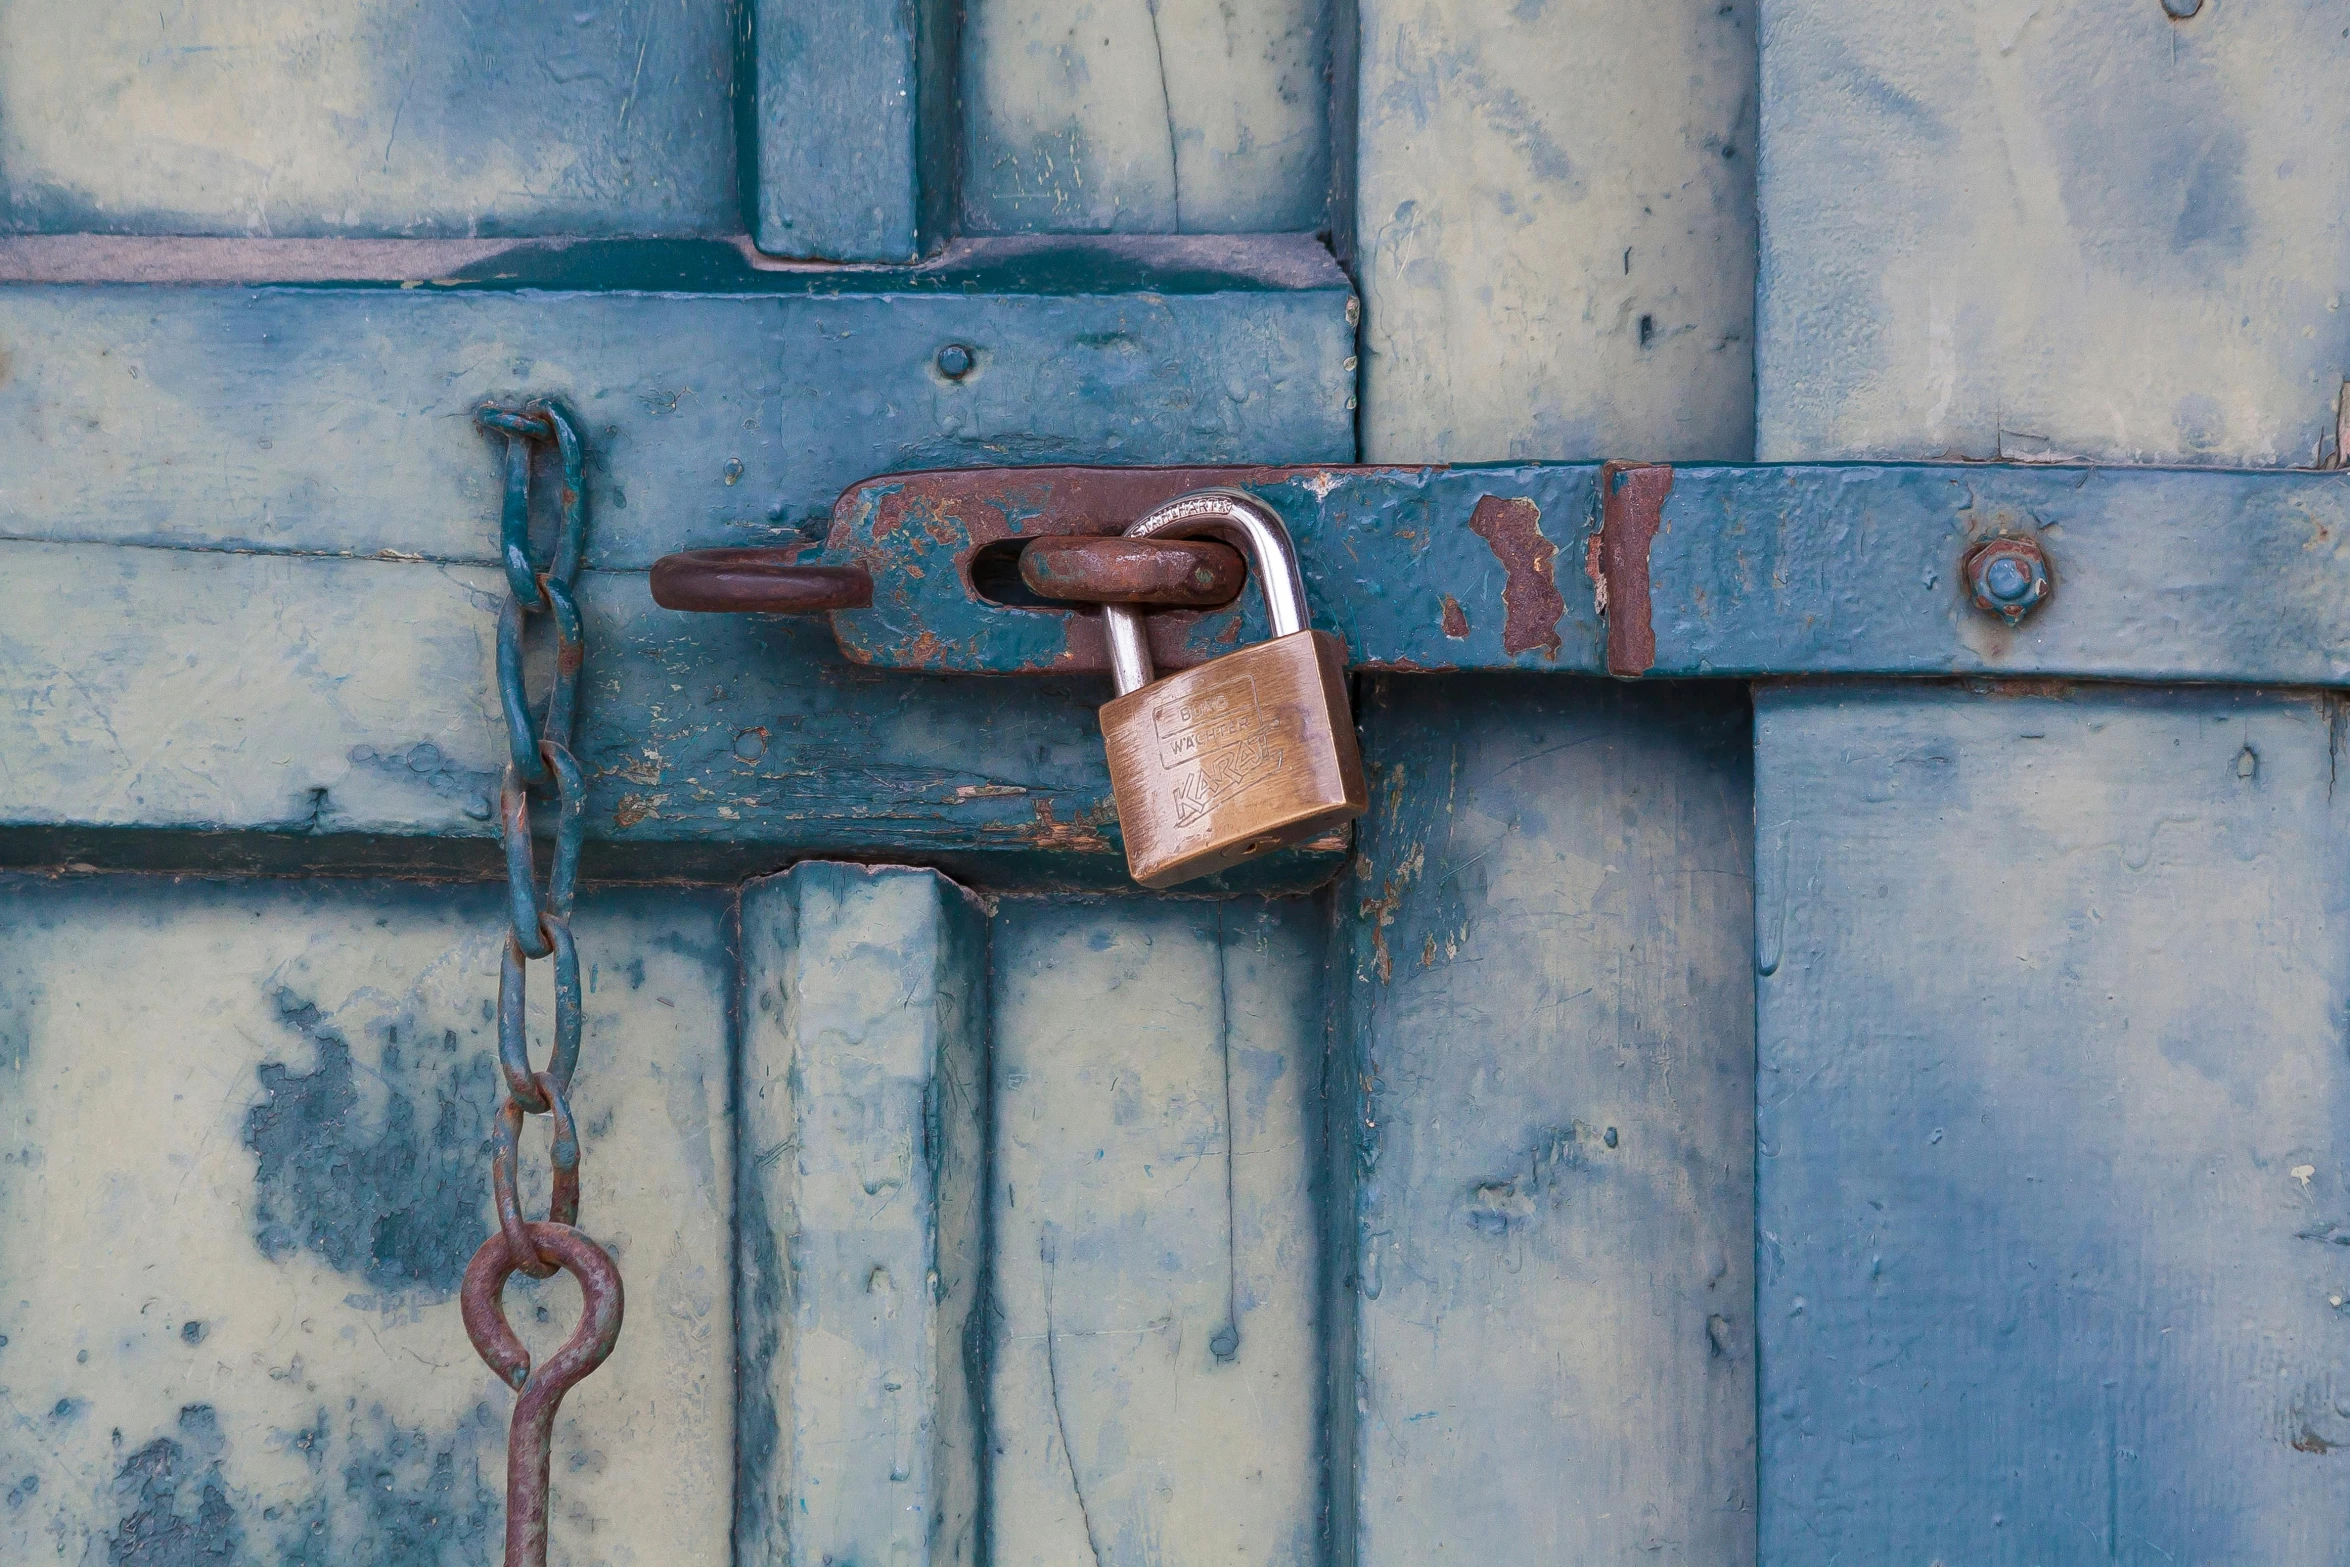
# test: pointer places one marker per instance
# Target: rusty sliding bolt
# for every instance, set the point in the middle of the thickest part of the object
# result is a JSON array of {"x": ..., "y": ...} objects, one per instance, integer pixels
[
  {"x": 1113, "y": 569},
  {"x": 757, "y": 581}
]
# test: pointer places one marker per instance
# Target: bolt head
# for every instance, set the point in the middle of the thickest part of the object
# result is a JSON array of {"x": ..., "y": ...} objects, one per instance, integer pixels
[
  {"x": 2007, "y": 577},
  {"x": 954, "y": 361}
]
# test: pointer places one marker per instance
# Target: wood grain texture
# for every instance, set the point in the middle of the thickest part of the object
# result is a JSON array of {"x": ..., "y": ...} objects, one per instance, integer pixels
[
  {"x": 396, "y": 117},
  {"x": 333, "y": 702},
  {"x": 246, "y": 1170},
  {"x": 861, "y": 1140},
  {"x": 728, "y": 407},
  {"x": 1145, "y": 116},
  {"x": 1554, "y": 228},
  {"x": 854, "y": 127},
  {"x": 2051, "y": 1091},
  {"x": 1544, "y": 1079},
  {"x": 1153, "y": 1382},
  {"x": 1974, "y": 217}
]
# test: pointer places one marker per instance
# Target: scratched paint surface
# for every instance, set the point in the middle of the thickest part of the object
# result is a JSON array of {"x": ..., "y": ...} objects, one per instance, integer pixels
[
  {"x": 1545, "y": 1151},
  {"x": 863, "y": 1114},
  {"x": 2051, "y": 1097},
  {"x": 1970, "y": 215},
  {"x": 729, "y": 407},
  {"x": 245, "y": 1137},
  {"x": 274, "y": 426},
  {"x": 296, "y": 117},
  {"x": 1153, "y": 1341},
  {"x": 1554, "y": 229},
  {"x": 854, "y": 123},
  {"x": 1145, "y": 116}
]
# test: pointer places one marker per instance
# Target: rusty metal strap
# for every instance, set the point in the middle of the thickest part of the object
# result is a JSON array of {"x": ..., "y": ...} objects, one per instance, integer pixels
[{"x": 1642, "y": 569}]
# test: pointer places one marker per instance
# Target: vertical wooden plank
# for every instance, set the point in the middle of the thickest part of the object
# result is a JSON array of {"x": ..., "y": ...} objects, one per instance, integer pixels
[
  {"x": 1554, "y": 229},
  {"x": 1154, "y": 1380},
  {"x": 1546, "y": 1078},
  {"x": 2052, "y": 1187},
  {"x": 244, "y": 1131},
  {"x": 853, "y": 126},
  {"x": 1970, "y": 214},
  {"x": 861, "y": 1147},
  {"x": 1146, "y": 116}
]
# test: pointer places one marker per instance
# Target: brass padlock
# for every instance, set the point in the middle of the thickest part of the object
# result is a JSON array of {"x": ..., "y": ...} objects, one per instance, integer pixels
[{"x": 1244, "y": 753}]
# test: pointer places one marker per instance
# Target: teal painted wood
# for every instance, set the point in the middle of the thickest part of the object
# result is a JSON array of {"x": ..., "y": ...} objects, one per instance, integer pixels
[
  {"x": 1554, "y": 227},
  {"x": 1153, "y": 1349},
  {"x": 352, "y": 117},
  {"x": 227, "y": 680},
  {"x": 1146, "y": 116},
  {"x": 1544, "y": 1090},
  {"x": 2161, "y": 574},
  {"x": 245, "y": 1152},
  {"x": 2050, "y": 1106},
  {"x": 860, "y": 1129},
  {"x": 720, "y": 404},
  {"x": 854, "y": 127},
  {"x": 183, "y": 709},
  {"x": 2005, "y": 230}
]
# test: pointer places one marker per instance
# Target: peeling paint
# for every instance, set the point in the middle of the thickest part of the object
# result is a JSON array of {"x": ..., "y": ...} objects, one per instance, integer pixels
[
  {"x": 1632, "y": 499},
  {"x": 1531, "y": 604}
]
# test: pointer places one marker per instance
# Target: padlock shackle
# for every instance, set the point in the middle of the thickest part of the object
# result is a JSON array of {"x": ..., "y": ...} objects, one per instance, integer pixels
[{"x": 1239, "y": 519}]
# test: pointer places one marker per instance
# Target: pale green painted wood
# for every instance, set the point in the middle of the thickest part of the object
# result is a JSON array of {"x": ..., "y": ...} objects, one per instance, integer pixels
[
  {"x": 244, "y": 1135},
  {"x": 860, "y": 1129},
  {"x": 1153, "y": 1333},
  {"x": 1145, "y": 116},
  {"x": 2037, "y": 228},
  {"x": 359, "y": 117},
  {"x": 1543, "y": 1103},
  {"x": 1554, "y": 230}
]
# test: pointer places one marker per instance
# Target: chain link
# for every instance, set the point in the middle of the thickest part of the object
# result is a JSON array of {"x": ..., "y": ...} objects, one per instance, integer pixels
[
  {"x": 538, "y": 756},
  {"x": 538, "y": 926}
]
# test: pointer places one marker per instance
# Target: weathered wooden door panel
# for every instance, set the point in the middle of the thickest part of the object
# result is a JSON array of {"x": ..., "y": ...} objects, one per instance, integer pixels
[
  {"x": 1546, "y": 1076},
  {"x": 1130, "y": 1366},
  {"x": 245, "y": 1173},
  {"x": 359, "y": 117},
  {"x": 860, "y": 1267},
  {"x": 1970, "y": 214},
  {"x": 2050, "y": 1099},
  {"x": 1154, "y": 1353}
]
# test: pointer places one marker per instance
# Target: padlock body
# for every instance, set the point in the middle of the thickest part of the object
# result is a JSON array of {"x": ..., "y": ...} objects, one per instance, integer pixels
[{"x": 1235, "y": 757}]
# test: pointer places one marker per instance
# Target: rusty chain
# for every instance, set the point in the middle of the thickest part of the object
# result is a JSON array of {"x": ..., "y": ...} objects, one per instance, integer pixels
[{"x": 539, "y": 926}]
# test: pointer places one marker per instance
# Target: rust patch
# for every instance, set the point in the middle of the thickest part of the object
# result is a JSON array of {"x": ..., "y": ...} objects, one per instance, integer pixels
[
  {"x": 631, "y": 809},
  {"x": 1530, "y": 601},
  {"x": 1631, "y": 509},
  {"x": 1456, "y": 624},
  {"x": 1079, "y": 833}
]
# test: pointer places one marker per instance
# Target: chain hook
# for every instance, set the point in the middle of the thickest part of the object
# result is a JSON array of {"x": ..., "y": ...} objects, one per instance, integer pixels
[{"x": 530, "y": 1437}]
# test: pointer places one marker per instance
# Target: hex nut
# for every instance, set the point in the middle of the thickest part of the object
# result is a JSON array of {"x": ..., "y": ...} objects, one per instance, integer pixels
[{"x": 2008, "y": 577}]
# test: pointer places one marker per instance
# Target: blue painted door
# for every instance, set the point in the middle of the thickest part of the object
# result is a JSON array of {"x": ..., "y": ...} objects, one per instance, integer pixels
[{"x": 1793, "y": 1067}]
